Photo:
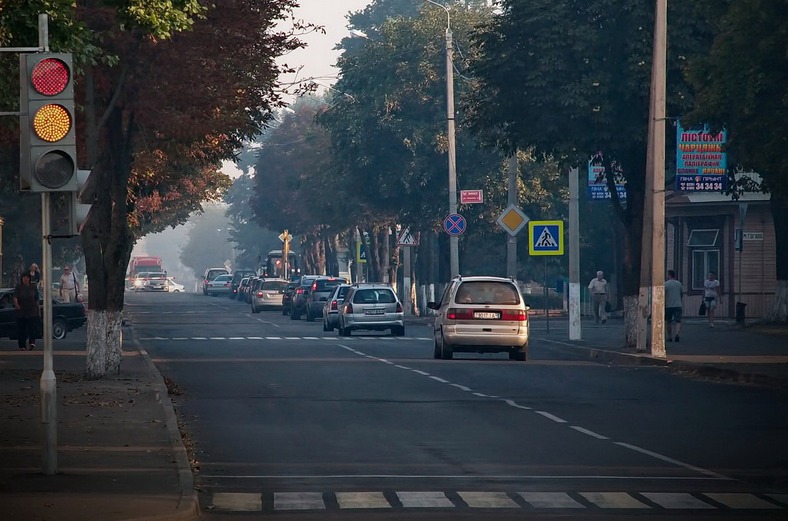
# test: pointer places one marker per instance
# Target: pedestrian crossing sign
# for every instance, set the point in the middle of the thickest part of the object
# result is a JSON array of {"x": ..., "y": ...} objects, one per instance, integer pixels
[{"x": 546, "y": 237}]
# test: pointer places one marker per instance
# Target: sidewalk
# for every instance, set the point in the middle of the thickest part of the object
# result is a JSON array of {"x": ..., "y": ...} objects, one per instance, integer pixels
[
  {"x": 756, "y": 355},
  {"x": 120, "y": 456}
]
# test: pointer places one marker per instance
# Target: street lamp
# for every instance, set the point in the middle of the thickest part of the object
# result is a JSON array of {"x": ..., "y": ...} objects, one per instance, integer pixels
[{"x": 453, "y": 239}]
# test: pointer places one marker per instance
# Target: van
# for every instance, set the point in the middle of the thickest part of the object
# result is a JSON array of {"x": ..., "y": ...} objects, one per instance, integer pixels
[{"x": 210, "y": 274}]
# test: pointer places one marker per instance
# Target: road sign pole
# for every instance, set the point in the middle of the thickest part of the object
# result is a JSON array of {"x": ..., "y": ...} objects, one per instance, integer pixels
[
  {"x": 546, "y": 306},
  {"x": 511, "y": 241},
  {"x": 575, "y": 322},
  {"x": 406, "y": 281}
]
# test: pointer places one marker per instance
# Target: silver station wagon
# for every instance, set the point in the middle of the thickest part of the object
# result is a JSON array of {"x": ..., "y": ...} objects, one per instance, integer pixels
[{"x": 373, "y": 307}]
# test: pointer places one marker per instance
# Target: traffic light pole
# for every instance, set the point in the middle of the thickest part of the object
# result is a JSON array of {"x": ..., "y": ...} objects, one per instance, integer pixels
[{"x": 48, "y": 382}]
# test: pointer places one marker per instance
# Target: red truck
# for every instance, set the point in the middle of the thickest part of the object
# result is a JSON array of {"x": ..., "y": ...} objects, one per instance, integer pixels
[{"x": 142, "y": 263}]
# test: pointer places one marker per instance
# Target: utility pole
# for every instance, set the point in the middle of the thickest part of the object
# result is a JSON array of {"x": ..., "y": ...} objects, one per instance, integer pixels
[
  {"x": 511, "y": 241},
  {"x": 656, "y": 170},
  {"x": 575, "y": 323}
]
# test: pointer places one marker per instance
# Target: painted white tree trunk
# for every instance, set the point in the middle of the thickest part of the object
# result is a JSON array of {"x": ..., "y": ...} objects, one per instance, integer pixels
[
  {"x": 631, "y": 320},
  {"x": 104, "y": 343},
  {"x": 779, "y": 312}
]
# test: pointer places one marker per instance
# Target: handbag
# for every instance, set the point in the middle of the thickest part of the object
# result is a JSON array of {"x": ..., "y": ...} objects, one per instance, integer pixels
[{"x": 702, "y": 310}]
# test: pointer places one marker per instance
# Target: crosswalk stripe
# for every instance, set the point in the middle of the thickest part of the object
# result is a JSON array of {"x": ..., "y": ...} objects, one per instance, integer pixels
[
  {"x": 383, "y": 338},
  {"x": 613, "y": 500},
  {"x": 676, "y": 500},
  {"x": 349, "y": 500},
  {"x": 550, "y": 500},
  {"x": 488, "y": 500},
  {"x": 739, "y": 500},
  {"x": 424, "y": 500},
  {"x": 238, "y": 501},
  {"x": 299, "y": 501}
]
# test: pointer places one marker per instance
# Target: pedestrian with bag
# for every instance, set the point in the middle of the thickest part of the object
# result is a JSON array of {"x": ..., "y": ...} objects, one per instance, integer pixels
[
  {"x": 674, "y": 292},
  {"x": 27, "y": 313},
  {"x": 598, "y": 289},
  {"x": 35, "y": 276},
  {"x": 711, "y": 295},
  {"x": 69, "y": 287}
]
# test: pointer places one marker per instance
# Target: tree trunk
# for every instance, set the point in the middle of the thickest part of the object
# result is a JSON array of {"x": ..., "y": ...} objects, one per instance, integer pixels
[
  {"x": 779, "y": 311},
  {"x": 104, "y": 334}
]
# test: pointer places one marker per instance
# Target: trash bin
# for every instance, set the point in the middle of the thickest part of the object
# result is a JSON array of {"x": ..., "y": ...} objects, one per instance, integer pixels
[{"x": 740, "y": 312}]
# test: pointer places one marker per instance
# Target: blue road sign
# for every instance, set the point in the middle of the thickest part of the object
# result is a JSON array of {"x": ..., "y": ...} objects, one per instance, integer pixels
[
  {"x": 546, "y": 238},
  {"x": 455, "y": 224}
]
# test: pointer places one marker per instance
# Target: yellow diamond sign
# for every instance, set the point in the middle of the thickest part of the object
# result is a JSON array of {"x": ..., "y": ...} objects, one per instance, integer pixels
[{"x": 512, "y": 220}]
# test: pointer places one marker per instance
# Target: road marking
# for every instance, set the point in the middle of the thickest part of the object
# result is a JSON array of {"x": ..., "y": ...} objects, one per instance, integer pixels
[
  {"x": 238, "y": 502},
  {"x": 550, "y": 500},
  {"x": 673, "y": 461},
  {"x": 515, "y": 404},
  {"x": 237, "y": 338},
  {"x": 441, "y": 380},
  {"x": 487, "y": 500},
  {"x": 424, "y": 500},
  {"x": 347, "y": 500},
  {"x": 422, "y": 373},
  {"x": 402, "y": 367},
  {"x": 254, "y": 337},
  {"x": 613, "y": 500},
  {"x": 590, "y": 433},
  {"x": 299, "y": 501},
  {"x": 740, "y": 501},
  {"x": 181, "y": 338},
  {"x": 461, "y": 387},
  {"x": 550, "y": 416},
  {"x": 310, "y": 338},
  {"x": 676, "y": 500},
  {"x": 273, "y": 338},
  {"x": 212, "y": 338},
  {"x": 481, "y": 395}
]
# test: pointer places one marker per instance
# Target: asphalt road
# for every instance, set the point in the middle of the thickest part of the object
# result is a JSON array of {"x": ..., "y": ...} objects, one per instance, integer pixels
[{"x": 292, "y": 422}]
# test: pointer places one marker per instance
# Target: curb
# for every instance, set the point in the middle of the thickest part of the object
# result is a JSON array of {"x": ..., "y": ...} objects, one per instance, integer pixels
[
  {"x": 189, "y": 504},
  {"x": 679, "y": 366}
]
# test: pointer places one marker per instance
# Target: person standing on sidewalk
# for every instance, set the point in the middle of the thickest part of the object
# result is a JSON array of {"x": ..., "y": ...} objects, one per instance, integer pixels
[
  {"x": 598, "y": 289},
  {"x": 27, "y": 312},
  {"x": 674, "y": 292},
  {"x": 711, "y": 295},
  {"x": 68, "y": 285},
  {"x": 35, "y": 275}
]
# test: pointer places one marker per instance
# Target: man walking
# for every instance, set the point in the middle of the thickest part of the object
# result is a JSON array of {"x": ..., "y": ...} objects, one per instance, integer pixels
[
  {"x": 27, "y": 312},
  {"x": 598, "y": 289},
  {"x": 68, "y": 285},
  {"x": 674, "y": 292}
]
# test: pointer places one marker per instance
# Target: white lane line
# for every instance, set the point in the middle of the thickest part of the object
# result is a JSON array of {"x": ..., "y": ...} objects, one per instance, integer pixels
[
  {"x": 298, "y": 501},
  {"x": 217, "y": 338},
  {"x": 488, "y": 500},
  {"x": 329, "y": 338},
  {"x": 310, "y": 338},
  {"x": 292, "y": 338},
  {"x": 673, "y": 461},
  {"x": 422, "y": 373},
  {"x": 590, "y": 433},
  {"x": 481, "y": 395},
  {"x": 550, "y": 500},
  {"x": 740, "y": 501},
  {"x": 673, "y": 500},
  {"x": 441, "y": 380},
  {"x": 237, "y": 338},
  {"x": 254, "y": 337},
  {"x": 238, "y": 502},
  {"x": 424, "y": 500},
  {"x": 459, "y": 477},
  {"x": 199, "y": 338},
  {"x": 273, "y": 338},
  {"x": 180, "y": 338},
  {"x": 402, "y": 367},
  {"x": 362, "y": 500},
  {"x": 613, "y": 500},
  {"x": 512, "y": 403},
  {"x": 386, "y": 361},
  {"x": 550, "y": 416},
  {"x": 461, "y": 387}
]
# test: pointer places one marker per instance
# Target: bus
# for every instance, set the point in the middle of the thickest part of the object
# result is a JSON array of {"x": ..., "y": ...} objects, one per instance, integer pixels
[{"x": 274, "y": 268}]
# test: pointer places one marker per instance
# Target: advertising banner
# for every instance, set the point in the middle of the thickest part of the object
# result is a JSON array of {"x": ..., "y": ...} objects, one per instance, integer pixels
[
  {"x": 597, "y": 178},
  {"x": 701, "y": 164}
]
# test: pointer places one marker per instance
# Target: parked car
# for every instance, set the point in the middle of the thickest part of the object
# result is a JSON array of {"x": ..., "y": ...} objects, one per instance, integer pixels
[
  {"x": 481, "y": 315},
  {"x": 66, "y": 316},
  {"x": 209, "y": 275},
  {"x": 219, "y": 286},
  {"x": 321, "y": 289},
  {"x": 371, "y": 307},
  {"x": 155, "y": 281},
  {"x": 240, "y": 290},
  {"x": 268, "y": 294},
  {"x": 298, "y": 304},
  {"x": 331, "y": 309},
  {"x": 174, "y": 287},
  {"x": 238, "y": 276},
  {"x": 287, "y": 297}
]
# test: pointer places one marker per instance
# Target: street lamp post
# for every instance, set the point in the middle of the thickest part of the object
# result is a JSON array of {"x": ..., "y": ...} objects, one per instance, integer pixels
[{"x": 453, "y": 239}]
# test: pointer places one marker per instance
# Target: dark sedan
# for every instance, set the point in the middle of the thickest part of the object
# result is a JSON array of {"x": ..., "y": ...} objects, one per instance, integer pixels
[{"x": 66, "y": 316}]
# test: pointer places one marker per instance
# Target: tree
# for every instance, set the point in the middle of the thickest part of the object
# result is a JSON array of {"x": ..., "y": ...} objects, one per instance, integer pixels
[
  {"x": 572, "y": 78},
  {"x": 742, "y": 84},
  {"x": 209, "y": 242}
]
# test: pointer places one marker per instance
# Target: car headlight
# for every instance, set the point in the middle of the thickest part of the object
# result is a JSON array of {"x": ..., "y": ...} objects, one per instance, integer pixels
[{"x": 138, "y": 283}]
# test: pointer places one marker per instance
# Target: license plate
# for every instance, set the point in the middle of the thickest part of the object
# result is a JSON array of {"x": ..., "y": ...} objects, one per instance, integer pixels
[
  {"x": 374, "y": 311},
  {"x": 486, "y": 315}
]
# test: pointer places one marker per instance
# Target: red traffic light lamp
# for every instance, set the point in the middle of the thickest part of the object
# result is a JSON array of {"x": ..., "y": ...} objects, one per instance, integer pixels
[{"x": 48, "y": 155}]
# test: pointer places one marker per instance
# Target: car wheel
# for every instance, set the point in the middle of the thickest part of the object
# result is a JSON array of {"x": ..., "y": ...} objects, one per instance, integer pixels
[
  {"x": 436, "y": 353},
  {"x": 177, "y": 291},
  {"x": 294, "y": 315},
  {"x": 398, "y": 331},
  {"x": 446, "y": 351},
  {"x": 325, "y": 326},
  {"x": 343, "y": 331},
  {"x": 254, "y": 309},
  {"x": 205, "y": 292},
  {"x": 309, "y": 317},
  {"x": 59, "y": 329},
  {"x": 519, "y": 354},
  {"x": 284, "y": 311}
]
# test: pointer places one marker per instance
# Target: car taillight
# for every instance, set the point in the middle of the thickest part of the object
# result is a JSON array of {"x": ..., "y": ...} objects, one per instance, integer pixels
[
  {"x": 300, "y": 291},
  {"x": 333, "y": 305},
  {"x": 399, "y": 308},
  {"x": 260, "y": 294},
  {"x": 349, "y": 308},
  {"x": 459, "y": 314},
  {"x": 314, "y": 286},
  {"x": 514, "y": 314}
]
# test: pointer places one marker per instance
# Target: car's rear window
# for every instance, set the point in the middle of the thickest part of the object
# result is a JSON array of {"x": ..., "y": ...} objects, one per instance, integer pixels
[
  {"x": 327, "y": 285},
  {"x": 342, "y": 292},
  {"x": 212, "y": 274},
  {"x": 223, "y": 278},
  {"x": 156, "y": 275},
  {"x": 487, "y": 292},
  {"x": 374, "y": 296},
  {"x": 274, "y": 285}
]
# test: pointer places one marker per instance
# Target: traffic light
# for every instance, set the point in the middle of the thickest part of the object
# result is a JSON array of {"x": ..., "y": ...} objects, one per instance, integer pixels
[
  {"x": 68, "y": 211},
  {"x": 48, "y": 152}
]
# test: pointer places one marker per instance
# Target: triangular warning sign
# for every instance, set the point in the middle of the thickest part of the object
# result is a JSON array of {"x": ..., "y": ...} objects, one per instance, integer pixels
[
  {"x": 546, "y": 240},
  {"x": 407, "y": 239}
]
